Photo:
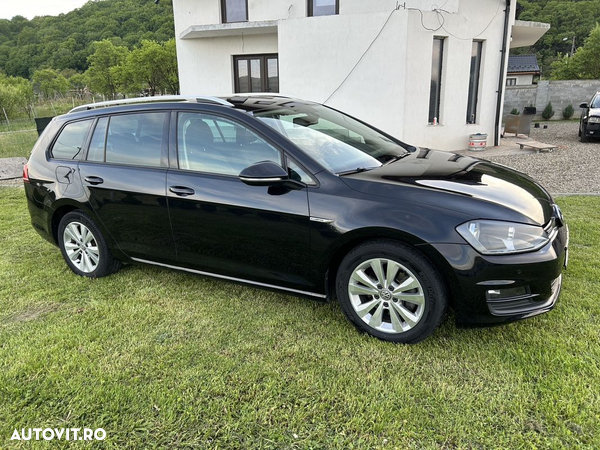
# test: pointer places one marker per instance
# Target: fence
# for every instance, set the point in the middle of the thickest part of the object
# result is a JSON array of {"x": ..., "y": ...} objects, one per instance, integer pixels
[{"x": 560, "y": 93}]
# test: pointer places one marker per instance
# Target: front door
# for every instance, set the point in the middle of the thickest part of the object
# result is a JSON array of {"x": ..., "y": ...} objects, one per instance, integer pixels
[
  {"x": 124, "y": 175},
  {"x": 224, "y": 226}
]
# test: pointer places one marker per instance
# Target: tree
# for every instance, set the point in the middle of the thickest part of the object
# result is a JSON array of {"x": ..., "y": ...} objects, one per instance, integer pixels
[
  {"x": 584, "y": 64},
  {"x": 49, "y": 83},
  {"x": 101, "y": 62},
  {"x": 151, "y": 66},
  {"x": 16, "y": 95}
]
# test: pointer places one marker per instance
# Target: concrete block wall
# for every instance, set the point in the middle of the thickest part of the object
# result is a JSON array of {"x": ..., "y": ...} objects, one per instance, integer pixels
[{"x": 560, "y": 92}]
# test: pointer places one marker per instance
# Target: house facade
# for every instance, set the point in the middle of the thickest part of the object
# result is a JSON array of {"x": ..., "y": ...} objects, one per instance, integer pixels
[
  {"x": 522, "y": 70},
  {"x": 429, "y": 72}
]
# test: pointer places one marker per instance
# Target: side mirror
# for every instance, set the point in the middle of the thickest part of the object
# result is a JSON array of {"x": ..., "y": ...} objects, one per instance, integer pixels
[
  {"x": 264, "y": 173},
  {"x": 584, "y": 106}
]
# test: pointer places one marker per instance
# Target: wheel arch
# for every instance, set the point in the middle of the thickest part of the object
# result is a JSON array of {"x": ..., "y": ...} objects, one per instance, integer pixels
[
  {"x": 355, "y": 238},
  {"x": 60, "y": 210}
]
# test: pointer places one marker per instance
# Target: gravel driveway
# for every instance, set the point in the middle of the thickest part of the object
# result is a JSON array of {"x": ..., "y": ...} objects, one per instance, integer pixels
[{"x": 572, "y": 168}]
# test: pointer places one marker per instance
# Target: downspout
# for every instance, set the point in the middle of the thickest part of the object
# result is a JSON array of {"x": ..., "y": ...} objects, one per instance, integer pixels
[{"x": 498, "y": 123}]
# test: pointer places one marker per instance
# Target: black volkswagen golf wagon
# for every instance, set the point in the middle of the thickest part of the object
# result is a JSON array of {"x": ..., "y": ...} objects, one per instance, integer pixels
[{"x": 293, "y": 195}]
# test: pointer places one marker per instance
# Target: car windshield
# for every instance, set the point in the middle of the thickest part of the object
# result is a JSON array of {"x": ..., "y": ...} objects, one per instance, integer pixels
[
  {"x": 596, "y": 102},
  {"x": 340, "y": 143}
]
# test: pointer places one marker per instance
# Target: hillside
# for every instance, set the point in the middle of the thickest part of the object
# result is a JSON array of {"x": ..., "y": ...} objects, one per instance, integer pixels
[
  {"x": 569, "y": 18},
  {"x": 64, "y": 41}
]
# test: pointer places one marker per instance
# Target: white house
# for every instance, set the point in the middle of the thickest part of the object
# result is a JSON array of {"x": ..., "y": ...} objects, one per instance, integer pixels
[{"x": 430, "y": 72}]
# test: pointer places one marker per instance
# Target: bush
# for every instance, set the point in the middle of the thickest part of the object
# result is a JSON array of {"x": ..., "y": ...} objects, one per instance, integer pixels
[
  {"x": 568, "y": 112},
  {"x": 548, "y": 112},
  {"x": 515, "y": 111}
]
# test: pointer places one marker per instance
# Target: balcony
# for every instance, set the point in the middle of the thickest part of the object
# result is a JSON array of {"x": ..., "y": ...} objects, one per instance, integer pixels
[{"x": 229, "y": 29}]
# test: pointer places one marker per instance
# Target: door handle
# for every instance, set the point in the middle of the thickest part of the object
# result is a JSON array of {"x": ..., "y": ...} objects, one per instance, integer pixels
[
  {"x": 94, "y": 180},
  {"x": 182, "y": 191}
]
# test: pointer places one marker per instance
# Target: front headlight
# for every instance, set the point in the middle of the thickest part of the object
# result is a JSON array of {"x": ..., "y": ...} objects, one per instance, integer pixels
[
  {"x": 594, "y": 119},
  {"x": 492, "y": 237}
]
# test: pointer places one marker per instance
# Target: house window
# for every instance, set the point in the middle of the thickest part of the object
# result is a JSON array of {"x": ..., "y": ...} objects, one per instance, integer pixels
[
  {"x": 511, "y": 81},
  {"x": 323, "y": 7},
  {"x": 256, "y": 73},
  {"x": 436, "y": 80},
  {"x": 474, "y": 81},
  {"x": 234, "y": 10}
]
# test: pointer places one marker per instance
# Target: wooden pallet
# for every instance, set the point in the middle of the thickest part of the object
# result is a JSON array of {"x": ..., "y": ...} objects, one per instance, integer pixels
[{"x": 537, "y": 146}]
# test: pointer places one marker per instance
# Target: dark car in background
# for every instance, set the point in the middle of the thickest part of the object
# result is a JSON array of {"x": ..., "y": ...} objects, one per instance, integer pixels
[
  {"x": 296, "y": 196},
  {"x": 589, "y": 123}
]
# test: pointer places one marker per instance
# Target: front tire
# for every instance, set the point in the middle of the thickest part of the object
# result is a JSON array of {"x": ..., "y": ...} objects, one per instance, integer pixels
[
  {"x": 391, "y": 291},
  {"x": 582, "y": 135},
  {"x": 84, "y": 248}
]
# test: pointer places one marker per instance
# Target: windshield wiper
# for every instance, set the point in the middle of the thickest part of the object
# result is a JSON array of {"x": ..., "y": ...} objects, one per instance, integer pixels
[
  {"x": 357, "y": 170},
  {"x": 397, "y": 158}
]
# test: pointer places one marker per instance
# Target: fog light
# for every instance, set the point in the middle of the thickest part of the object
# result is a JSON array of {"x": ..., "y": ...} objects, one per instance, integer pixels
[{"x": 497, "y": 294}]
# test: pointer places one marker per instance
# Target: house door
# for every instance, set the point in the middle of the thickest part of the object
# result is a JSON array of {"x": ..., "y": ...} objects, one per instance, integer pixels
[{"x": 256, "y": 73}]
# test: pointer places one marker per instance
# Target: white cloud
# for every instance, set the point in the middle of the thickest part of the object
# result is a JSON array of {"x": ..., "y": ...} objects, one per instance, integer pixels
[{"x": 32, "y": 8}]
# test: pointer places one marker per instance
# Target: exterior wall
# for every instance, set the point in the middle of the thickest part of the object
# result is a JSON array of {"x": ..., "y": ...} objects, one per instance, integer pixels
[
  {"x": 522, "y": 80},
  {"x": 374, "y": 91},
  {"x": 453, "y": 132},
  {"x": 560, "y": 93},
  {"x": 389, "y": 87}
]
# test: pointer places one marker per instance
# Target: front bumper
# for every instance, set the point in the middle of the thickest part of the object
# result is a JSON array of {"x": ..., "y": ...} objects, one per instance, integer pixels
[
  {"x": 592, "y": 129},
  {"x": 489, "y": 290}
]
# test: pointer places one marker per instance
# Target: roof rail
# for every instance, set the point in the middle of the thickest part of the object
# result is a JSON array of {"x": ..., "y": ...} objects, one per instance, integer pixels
[{"x": 157, "y": 99}]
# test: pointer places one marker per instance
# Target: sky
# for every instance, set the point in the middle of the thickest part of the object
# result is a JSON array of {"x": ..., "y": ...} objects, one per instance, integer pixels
[{"x": 32, "y": 8}]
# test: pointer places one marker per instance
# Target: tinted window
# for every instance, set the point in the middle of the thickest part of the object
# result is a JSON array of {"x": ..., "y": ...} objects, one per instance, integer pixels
[
  {"x": 322, "y": 7},
  {"x": 71, "y": 140},
  {"x": 297, "y": 173},
  {"x": 135, "y": 139},
  {"x": 212, "y": 144},
  {"x": 96, "y": 150},
  {"x": 234, "y": 10}
]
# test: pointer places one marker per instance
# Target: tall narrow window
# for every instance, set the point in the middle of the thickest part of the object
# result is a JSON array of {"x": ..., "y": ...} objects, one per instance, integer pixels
[
  {"x": 436, "y": 80},
  {"x": 256, "y": 73},
  {"x": 474, "y": 81},
  {"x": 234, "y": 10},
  {"x": 323, "y": 7}
]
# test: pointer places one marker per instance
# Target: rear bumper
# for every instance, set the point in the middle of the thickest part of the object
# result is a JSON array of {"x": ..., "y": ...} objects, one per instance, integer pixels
[{"x": 490, "y": 290}]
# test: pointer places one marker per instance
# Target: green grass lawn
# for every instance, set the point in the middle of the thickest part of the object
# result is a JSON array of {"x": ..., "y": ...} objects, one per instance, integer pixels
[
  {"x": 17, "y": 143},
  {"x": 163, "y": 359}
]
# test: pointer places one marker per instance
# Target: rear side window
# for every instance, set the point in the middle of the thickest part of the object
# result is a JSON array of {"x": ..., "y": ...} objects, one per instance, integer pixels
[
  {"x": 97, "y": 144},
  {"x": 70, "y": 141},
  {"x": 134, "y": 139}
]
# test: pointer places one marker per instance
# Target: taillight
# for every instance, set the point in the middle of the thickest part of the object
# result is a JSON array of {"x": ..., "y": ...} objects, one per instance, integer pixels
[{"x": 25, "y": 174}]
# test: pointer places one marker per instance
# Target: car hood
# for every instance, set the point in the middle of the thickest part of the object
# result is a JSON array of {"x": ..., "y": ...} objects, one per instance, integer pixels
[{"x": 497, "y": 191}]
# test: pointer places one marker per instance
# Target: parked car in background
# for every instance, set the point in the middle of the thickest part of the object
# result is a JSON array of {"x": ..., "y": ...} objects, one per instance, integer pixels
[
  {"x": 296, "y": 196},
  {"x": 589, "y": 123}
]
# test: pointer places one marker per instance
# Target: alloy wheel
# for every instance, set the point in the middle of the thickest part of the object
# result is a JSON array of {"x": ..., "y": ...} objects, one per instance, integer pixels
[
  {"x": 81, "y": 247},
  {"x": 386, "y": 295}
]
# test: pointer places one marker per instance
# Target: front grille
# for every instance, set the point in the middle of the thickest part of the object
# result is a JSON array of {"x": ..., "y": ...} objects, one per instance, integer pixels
[{"x": 521, "y": 304}]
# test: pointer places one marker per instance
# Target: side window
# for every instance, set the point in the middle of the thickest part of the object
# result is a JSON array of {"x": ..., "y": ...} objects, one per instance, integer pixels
[
  {"x": 299, "y": 174},
  {"x": 96, "y": 150},
  {"x": 135, "y": 139},
  {"x": 207, "y": 143},
  {"x": 71, "y": 140}
]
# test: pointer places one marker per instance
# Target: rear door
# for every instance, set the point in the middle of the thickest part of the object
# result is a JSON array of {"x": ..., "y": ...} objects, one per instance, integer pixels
[{"x": 124, "y": 176}]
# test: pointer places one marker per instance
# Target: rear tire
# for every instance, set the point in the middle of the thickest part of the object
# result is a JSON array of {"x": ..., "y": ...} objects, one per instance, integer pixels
[
  {"x": 84, "y": 248},
  {"x": 391, "y": 291}
]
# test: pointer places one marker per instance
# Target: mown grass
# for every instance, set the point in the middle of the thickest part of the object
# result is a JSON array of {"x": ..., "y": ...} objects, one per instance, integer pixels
[
  {"x": 162, "y": 359},
  {"x": 17, "y": 143}
]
